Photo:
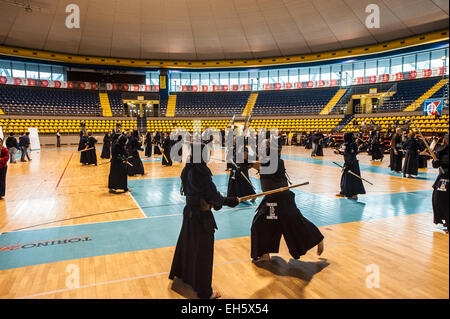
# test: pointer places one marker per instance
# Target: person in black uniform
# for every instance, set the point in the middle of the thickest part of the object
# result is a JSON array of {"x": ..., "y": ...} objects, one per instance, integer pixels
[
  {"x": 351, "y": 185},
  {"x": 114, "y": 136},
  {"x": 157, "y": 143},
  {"x": 193, "y": 258},
  {"x": 106, "y": 149},
  {"x": 133, "y": 148},
  {"x": 83, "y": 144},
  {"x": 411, "y": 163},
  {"x": 148, "y": 144},
  {"x": 239, "y": 183},
  {"x": 91, "y": 154},
  {"x": 279, "y": 215},
  {"x": 396, "y": 151},
  {"x": 376, "y": 147},
  {"x": 167, "y": 147},
  {"x": 423, "y": 157},
  {"x": 441, "y": 185},
  {"x": 118, "y": 178}
]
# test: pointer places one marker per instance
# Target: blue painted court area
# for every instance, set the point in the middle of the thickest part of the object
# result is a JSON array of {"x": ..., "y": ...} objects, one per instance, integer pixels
[
  {"x": 429, "y": 176},
  {"x": 162, "y": 203}
]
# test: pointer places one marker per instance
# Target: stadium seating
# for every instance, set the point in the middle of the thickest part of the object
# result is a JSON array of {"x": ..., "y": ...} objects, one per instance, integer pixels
[
  {"x": 50, "y": 126},
  {"x": 427, "y": 124},
  {"x": 115, "y": 100},
  {"x": 211, "y": 103},
  {"x": 407, "y": 93},
  {"x": 46, "y": 101},
  {"x": 303, "y": 101}
]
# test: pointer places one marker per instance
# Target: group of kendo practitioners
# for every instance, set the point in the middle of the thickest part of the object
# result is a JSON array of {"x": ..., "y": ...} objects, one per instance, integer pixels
[
  {"x": 411, "y": 148},
  {"x": 122, "y": 148},
  {"x": 408, "y": 152},
  {"x": 276, "y": 216}
]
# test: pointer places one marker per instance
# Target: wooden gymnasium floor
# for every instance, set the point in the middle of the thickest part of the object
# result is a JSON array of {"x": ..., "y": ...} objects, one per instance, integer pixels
[{"x": 127, "y": 241}]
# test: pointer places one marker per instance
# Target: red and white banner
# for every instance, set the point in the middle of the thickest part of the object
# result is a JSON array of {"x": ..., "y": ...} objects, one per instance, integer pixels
[
  {"x": 77, "y": 85},
  {"x": 400, "y": 76},
  {"x": 427, "y": 73}
]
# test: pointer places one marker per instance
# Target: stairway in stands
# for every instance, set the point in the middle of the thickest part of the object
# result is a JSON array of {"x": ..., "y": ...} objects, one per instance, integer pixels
[
  {"x": 418, "y": 103},
  {"x": 104, "y": 103},
  {"x": 250, "y": 104},
  {"x": 343, "y": 123},
  {"x": 171, "y": 105},
  {"x": 332, "y": 103}
]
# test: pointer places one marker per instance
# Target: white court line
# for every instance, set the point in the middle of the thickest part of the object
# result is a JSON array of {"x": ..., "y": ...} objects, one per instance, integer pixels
[
  {"x": 119, "y": 280},
  {"x": 134, "y": 200},
  {"x": 155, "y": 275}
]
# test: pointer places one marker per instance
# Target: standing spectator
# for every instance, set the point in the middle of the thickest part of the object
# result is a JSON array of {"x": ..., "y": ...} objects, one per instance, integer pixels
[
  {"x": 24, "y": 144},
  {"x": 4, "y": 157},
  {"x": 58, "y": 139},
  {"x": 11, "y": 144}
]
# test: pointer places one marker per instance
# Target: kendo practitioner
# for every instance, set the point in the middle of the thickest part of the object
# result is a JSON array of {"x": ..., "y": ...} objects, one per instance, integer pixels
[
  {"x": 376, "y": 147},
  {"x": 180, "y": 151},
  {"x": 106, "y": 149},
  {"x": 114, "y": 136},
  {"x": 279, "y": 215},
  {"x": 396, "y": 151},
  {"x": 118, "y": 171},
  {"x": 157, "y": 142},
  {"x": 193, "y": 258},
  {"x": 441, "y": 185},
  {"x": 133, "y": 147},
  {"x": 411, "y": 163},
  {"x": 148, "y": 144},
  {"x": 91, "y": 154},
  {"x": 167, "y": 147},
  {"x": 239, "y": 183},
  {"x": 83, "y": 144},
  {"x": 351, "y": 185},
  {"x": 423, "y": 158}
]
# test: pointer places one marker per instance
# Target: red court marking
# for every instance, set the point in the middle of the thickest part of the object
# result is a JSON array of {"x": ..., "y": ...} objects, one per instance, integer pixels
[{"x": 60, "y": 178}]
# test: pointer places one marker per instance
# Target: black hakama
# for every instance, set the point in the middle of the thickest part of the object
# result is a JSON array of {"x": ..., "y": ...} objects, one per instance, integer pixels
[
  {"x": 148, "y": 145},
  {"x": 396, "y": 159},
  {"x": 238, "y": 185},
  {"x": 81, "y": 147},
  {"x": 118, "y": 178},
  {"x": 411, "y": 163},
  {"x": 441, "y": 186},
  {"x": 157, "y": 142},
  {"x": 194, "y": 252},
  {"x": 106, "y": 149},
  {"x": 278, "y": 215},
  {"x": 134, "y": 159},
  {"x": 350, "y": 184},
  {"x": 91, "y": 154},
  {"x": 167, "y": 147}
]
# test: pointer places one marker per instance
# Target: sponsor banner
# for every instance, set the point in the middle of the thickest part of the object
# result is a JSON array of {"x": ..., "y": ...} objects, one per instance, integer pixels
[{"x": 433, "y": 107}]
